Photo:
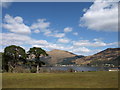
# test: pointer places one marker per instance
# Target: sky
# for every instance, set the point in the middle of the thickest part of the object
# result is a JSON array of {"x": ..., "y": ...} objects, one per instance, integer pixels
[{"x": 83, "y": 28}]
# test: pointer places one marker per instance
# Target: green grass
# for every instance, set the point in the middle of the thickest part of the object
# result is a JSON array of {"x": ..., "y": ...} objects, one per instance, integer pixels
[{"x": 61, "y": 80}]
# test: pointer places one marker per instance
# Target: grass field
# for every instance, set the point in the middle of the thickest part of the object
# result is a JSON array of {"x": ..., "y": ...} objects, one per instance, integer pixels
[{"x": 61, "y": 80}]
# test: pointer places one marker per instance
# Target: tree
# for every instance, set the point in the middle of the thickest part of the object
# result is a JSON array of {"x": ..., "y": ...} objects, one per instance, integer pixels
[
  {"x": 39, "y": 53},
  {"x": 12, "y": 55}
]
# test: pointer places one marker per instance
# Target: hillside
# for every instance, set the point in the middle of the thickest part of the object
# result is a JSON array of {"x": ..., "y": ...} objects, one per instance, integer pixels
[
  {"x": 58, "y": 56},
  {"x": 69, "y": 60},
  {"x": 108, "y": 56}
]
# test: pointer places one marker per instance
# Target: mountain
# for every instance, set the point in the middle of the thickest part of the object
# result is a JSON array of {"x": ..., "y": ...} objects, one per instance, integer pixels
[
  {"x": 105, "y": 57},
  {"x": 108, "y": 56},
  {"x": 57, "y": 56},
  {"x": 69, "y": 60}
]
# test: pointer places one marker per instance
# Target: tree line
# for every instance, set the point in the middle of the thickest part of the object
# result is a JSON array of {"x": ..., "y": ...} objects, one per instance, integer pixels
[{"x": 14, "y": 56}]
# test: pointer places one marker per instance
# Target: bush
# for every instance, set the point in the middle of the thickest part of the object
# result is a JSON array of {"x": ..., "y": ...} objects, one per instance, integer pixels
[
  {"x": 71, "y": 70},
  {"x": 20, "y": 69},
  {"x": 33, "y": 70}
]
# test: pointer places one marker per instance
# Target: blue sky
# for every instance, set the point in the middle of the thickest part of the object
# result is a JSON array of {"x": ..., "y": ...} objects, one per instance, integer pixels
[{"x": 83, "y": 28}]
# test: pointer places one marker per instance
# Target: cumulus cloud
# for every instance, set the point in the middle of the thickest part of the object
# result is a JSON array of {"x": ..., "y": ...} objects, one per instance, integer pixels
[
  {"x": 10, "y": 39},
  {"x": 77, "y": 47},
  {"x": 44, "y": 26},
  {"x": 13, "y": 38},
  {"x": 15, "y": 24},
  {"x": 17, "y": 39},
  {"x": 53, "y": 34},
  {"x": 21, "y": 39},
  {"x": 94, "y": 43},
  {"x": 117, "y": 44},
  {"x": 59, "y": 35},
  {"x": 40, "y": 24},
  {"x": 101, "y": 16},
  {"x": 63, "y": 40},
  {"x": 85, "y": 9},
  {"x": 36, "y": 31},
  {"x": 81, "y": 50},
  {"x": 75, "y": 33},
  {"x": 67, "y": 29},
  {"x": 51, "y": 46},
  {"x": 19, "y": 35}
]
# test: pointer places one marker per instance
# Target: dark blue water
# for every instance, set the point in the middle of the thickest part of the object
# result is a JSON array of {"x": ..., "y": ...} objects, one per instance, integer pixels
[{"x": 78, "y": 68}]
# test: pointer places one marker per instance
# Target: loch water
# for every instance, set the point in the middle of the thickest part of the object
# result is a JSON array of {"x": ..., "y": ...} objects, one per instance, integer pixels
[{"x": 77, "y": 68}]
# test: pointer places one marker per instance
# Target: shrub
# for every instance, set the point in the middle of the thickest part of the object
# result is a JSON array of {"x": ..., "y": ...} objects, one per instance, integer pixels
[
  {"x": 33, "y": 70},
  {"x": 20, "y": 69}
]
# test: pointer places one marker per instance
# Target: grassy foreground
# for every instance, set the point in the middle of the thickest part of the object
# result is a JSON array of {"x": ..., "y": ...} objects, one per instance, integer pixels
[{"x": 61, "y": 80}]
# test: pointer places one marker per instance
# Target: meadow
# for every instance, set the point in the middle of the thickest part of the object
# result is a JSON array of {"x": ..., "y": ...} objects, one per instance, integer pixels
[{"x": 101, "y": 79}]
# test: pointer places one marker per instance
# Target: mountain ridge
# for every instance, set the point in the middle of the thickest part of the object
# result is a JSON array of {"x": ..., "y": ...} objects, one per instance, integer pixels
[
  {"x": 108, "y": 55},
  {"x": 61, "y": 57},
  {"x": 58, "y": 55}
]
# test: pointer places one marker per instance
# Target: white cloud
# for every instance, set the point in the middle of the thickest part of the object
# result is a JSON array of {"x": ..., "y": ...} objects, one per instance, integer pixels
[
  {"x": 67, "y": 29},
  {"x": 94, "y": 43},
  {"x": 50, "y": 46},
  {"x": 63, "y": 40},
  {"x": 58, "y": 35},
  {"x": 78, "y": 47},
  {"x": 21, "y": 40},
  {"x": 15, "y": 25},
  {"x": 44, "y": 27},
  {"x": 81, "y": 50},
  {"x": 18, "y": 39},
  {"x": 85, "y": 9},
  {"x": 36, "y": 31},
  {"x": 75, "y": 33},
  {"x": 47, "y": 32},
  {"x": 117, "y": 44},
  {"x": 12, "y": 38},
  {"x": 53, "y": 34},
  {"x": 82, "y": 43},
  {"x": 101, "y": 16},
  {"x": 41, "y": 24}
]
